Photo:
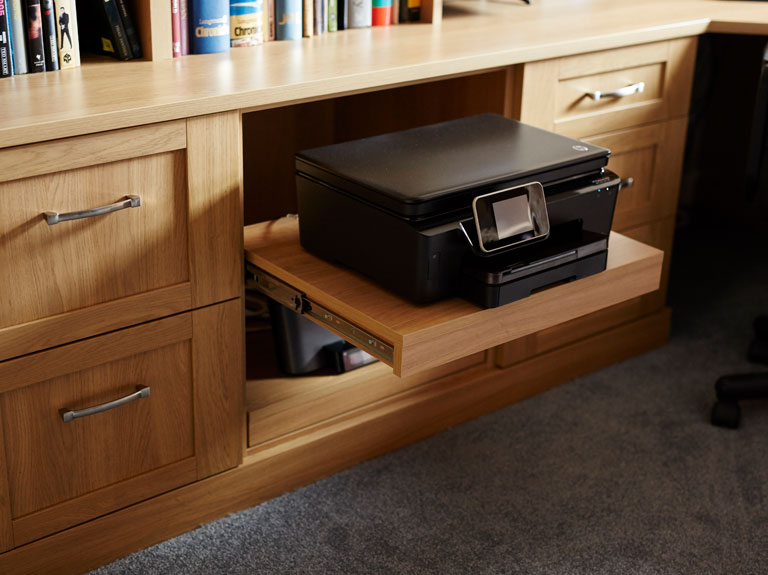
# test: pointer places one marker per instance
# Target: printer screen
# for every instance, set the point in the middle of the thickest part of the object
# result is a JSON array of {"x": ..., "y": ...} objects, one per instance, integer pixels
[{"x": 508, "y": 217}]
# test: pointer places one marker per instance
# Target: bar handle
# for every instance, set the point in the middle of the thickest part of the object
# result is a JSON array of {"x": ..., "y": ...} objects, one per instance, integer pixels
[
  {"x": 71, "y": 414},
  {"x": 627, "y": 183},
  {"x": 54, "y": 218},
  {"x": 597, "y": 95}
]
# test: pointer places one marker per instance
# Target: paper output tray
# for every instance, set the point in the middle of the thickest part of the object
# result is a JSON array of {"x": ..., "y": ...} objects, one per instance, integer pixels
[{"x": 412, "y": 338}]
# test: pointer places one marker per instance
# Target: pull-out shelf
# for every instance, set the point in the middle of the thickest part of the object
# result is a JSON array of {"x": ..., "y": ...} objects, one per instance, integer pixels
[{"x": 412, "y": 338}]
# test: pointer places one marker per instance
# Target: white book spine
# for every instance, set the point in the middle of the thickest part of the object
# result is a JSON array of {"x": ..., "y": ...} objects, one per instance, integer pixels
[
  {"x": 66, "y": 33},
  {"x": 360, "y": 13}
]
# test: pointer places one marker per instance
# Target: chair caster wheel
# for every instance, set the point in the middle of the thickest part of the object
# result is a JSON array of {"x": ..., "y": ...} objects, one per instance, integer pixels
[{"x": 726, "y": 414}]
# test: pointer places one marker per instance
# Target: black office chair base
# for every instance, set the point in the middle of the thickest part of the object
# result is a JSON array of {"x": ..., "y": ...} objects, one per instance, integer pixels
[{"x": 731, "y": 389}]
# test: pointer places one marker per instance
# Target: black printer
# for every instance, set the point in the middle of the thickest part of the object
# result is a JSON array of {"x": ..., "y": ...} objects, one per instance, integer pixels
[{"x": 483, "y": 207}]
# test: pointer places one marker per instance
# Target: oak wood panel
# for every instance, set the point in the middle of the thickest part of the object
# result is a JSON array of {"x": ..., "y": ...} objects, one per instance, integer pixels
[
  {"x": 102, "y": 501},
  {"x": 218, "y": 362},
  {"x": 48, "y": 270},
  {"x": 325, "y": 449},
  {"x": 658, "y": 234},
  {"x": 428, "y": 336},
  {"x": 92, "y": 352},
  {"x": 78, "y": 324},
  {"x": 153, "y": 22},
  {"x": 51, "y": 461},
  {"x": 6, "y": 527},
  {"x": 653, "y": 156},
  {"x": 92, "y": 150},
  {"x": 214, "y": 178},
  {"x": 279, "y": 406}
]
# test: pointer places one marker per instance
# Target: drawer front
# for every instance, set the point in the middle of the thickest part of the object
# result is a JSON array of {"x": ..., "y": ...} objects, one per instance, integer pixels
[
  {"x": 63, "y": 470},
  {"x": 562, "y": 95},
  {"x": 651, "y": 157}
]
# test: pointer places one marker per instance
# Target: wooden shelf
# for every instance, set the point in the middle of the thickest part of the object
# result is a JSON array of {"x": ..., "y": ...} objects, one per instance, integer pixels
[{"x": 424, "y": 337}]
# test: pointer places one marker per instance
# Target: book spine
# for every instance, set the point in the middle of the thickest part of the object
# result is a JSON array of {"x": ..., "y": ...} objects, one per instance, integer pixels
[
  {"x": 333, "y": 23},
  {"x": 35, "y": 48},
  {"x": 413, "y": 9},
  {"x": 245, "y": 18},
  {"x": 341, "y": 14},
  {"x": 288, "y": 19},
  {"x": 121, "y": 45},
  {"x": 320, "y": 20},
  {"x": 184, "y": 26},
  {"x": 50, "y": 46},
  {"x": 271, "y": 20},
  {"x": 209, "y": 26},
  {"x": 382, "y": 12},
  {"x": 130, "y": 29},
  {"x": 308, "y": 18},
  {"x": 18, "y": 37},
  {"x": 175, "y": 29},
  {"x": 360, "y": 12},
  {"x": 6, "y": 59},
  {"x": 395, "y": 12},
  {"x": 69, "y": 42}
]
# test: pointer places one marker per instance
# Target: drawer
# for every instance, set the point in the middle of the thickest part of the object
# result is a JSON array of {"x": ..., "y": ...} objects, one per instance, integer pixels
[
  {"x": 651, "y": 157},
  {"x": 562, "y": 94},
  {"x": 65, "y": 465},
  {"x": 81, "y": 277},
  {"x": 413, "y": 338}
]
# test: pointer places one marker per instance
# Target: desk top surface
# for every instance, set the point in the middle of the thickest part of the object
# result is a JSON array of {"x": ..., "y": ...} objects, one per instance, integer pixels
[{"x": 474, "y": 35}]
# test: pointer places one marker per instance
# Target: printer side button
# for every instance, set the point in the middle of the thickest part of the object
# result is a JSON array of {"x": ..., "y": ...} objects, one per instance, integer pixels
[{"x": 434, "y": 264}]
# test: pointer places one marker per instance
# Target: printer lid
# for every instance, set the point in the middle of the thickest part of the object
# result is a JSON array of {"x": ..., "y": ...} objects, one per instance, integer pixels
[{"x": 441, "y": 167}]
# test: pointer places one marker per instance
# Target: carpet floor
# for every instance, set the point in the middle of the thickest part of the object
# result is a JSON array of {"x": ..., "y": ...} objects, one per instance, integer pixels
[{"x": 617, "y": 472}]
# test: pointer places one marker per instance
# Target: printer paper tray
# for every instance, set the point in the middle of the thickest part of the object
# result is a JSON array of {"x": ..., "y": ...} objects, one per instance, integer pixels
[{"x": 412, "y": 338}]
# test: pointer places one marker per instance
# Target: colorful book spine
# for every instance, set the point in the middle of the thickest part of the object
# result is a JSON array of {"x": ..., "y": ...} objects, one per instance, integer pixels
[
  {"x": 69, "y": 42},
  {"x": 395, "y": 12},
  {"x": 321, "y": 22},
  {"x": 308, "y": 18},
  {"x": 412, "y": 9},
  {"x": 18, "y": 37},
  {"x": 175, "y": 29},
  {"x": 50, "y": 45},
  {"x": 184, "y": 26},
  {"x": 288, "y": 19},
  {"x": 35, "y": 48},
  {"x": 209, "y": 26},
  {"x": 245, "y": 18},
  {"x": 360, "y": 12},
  {"x": 6, "y": 59},
  {"x": 382, "y": 12},
  {"x": 333, "y": 23},
  {"x": 130, "y": 30}
]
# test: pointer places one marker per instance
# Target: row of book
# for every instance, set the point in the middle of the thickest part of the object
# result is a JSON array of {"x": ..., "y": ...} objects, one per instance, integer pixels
[
  {"x": 45, "y": 35},
  {"x": 204, "y": 26}
]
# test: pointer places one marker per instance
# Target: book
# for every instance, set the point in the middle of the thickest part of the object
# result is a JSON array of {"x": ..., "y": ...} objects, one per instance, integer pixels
[
  {"x": 101, "y": 30},
  {"x": 333, "y": 23},
  {"x": 341, "y": 14},
  {"x": 382, "y": 12},
  {"x": 175, "y": 29},
  {"x": 35, "y": 49},
  {"x": 50, "y": 45},
  {"x": 359, "y": 13},
  {"x": 395, "y": 11},
  {"x": 321, "y": 22},
  {"x": 288, "y": 19},
  {"x": 18, "y": 36},
  {"x": 6, "y": 59},
  {"x": 410, "y": 10},
  {"x": 245, "y": 20},
  {"x": 69, "y": 43},
  {"x": 269, "y": 7},
  {"x": 308, "y": 18},
  {"x": 209, "y": 26},
  {"x": 184, "y": 23},
  {"x": 130, "y": 30}
]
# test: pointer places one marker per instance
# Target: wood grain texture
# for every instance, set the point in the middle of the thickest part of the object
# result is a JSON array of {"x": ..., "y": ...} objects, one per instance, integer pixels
[
  {"x": 93, "y": 352},
  {"x": 83, "y": 151},
  {"x": 49, "y": 270},
  {"x": 428, "y": 336},
  {"x": 214, "y": 179},
  {"x": 100, "y": 318},
  {"x": 153, "y": 21},
  {"x": 6, "y": 527},
  {"x": 325, "y": 449},
  {"x": 279, "y": 406},
  {"x": 51, "y": 461},
  {"x": 219, "y": 386},
  {"x": 475, "y": 36}
]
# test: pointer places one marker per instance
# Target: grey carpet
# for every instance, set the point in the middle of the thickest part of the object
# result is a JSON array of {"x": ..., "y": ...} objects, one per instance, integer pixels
[{"x": 616, "y": 472}]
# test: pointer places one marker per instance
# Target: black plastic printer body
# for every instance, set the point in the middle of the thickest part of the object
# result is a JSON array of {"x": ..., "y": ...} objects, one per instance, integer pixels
[{"x": 456, "y": 209}]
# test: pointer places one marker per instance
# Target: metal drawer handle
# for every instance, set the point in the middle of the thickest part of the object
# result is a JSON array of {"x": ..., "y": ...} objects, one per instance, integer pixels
[
  {"x": 129, "y": 202},
  {"x": 620, "y": 93},
  {"x": 70, "y": 414},
  {"x": 626, "y": 183}
]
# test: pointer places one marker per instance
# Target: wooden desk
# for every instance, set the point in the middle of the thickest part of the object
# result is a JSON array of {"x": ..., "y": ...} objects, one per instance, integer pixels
[{"x": 197, "y": 134}]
